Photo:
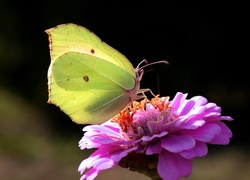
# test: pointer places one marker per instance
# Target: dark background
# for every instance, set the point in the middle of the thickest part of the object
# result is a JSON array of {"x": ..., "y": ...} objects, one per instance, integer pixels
[{"x": 203, "y": 42}]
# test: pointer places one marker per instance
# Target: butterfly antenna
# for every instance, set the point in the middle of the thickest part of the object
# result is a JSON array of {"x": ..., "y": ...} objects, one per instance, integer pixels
[
  {"x": 143, "y": 61},
  {"x": 149, "y": 64}
]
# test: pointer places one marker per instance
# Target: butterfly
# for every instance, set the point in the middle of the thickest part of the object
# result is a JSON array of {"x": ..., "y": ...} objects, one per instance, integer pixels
[{"x": 87, "y": 79}]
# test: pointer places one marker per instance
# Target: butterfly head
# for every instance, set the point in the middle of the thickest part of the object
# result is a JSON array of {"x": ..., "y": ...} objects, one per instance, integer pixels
[{"x": 139, "y": 70}]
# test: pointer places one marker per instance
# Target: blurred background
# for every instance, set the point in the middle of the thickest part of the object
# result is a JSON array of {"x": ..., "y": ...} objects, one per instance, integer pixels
[{"x": 203, "y": 42}]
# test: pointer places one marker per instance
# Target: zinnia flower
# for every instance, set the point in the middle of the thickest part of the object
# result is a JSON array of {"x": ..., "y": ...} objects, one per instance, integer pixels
[{"x": 158, "y": 138}]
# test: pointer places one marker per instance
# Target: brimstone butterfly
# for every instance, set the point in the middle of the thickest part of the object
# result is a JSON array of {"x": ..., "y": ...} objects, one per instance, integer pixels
[{"x": 89, "y": 80}]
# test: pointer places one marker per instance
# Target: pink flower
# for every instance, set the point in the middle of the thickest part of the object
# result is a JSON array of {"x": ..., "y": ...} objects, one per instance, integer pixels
[{"x": 158, "y": 135}]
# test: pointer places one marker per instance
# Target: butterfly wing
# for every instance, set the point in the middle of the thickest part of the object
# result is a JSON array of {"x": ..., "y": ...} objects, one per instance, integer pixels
[
  {"x": 74, "y": 38},
  {"x": 87, "y": 88}
]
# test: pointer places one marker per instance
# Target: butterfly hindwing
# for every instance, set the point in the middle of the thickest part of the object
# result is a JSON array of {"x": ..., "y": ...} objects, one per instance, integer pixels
[{"x": 87, "y": 88}]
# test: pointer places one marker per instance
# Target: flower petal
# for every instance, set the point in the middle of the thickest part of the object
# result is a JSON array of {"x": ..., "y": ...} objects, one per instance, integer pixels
[
  {"x": 199, "y": 101},
  {"x": 90, "y": 175},
  {"x": 154, "y": 149},
  {"x": 199, "y": 150},
  {"x": 224, "y": 137},
  {"x": 177, "y": 143},
  {"x": 118, "y": 156},
  {"x": 205, "y": 133},
  {"x": 150, "y": 138},
  {"x": 173, "y": 166},
  {"x": 185, "y": 107},
  {"x": 178, "y": 99}
]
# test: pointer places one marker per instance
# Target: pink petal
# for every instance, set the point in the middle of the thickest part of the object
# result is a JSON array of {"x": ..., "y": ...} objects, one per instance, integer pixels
[
  {"x": 179, "y": 97},
  {"x": 192, "y": 124},
  {"x": 199, "y": 150},
  {"x": 173, "y": 166},
  {"x": 118, "y": 156},
  {"x": 103, "y": 139},
  {"x": 185, "y": 108},
  {"x": 177, "y": 143},
  {"x": 103, "y": 163},
  {"x": 224, "y": 137},
  {"x": 154, "y": 148},
  {"x": 90, "y": 175},
  {"x": 87, "y": 163},
  {"x": 150, "y": 138},
  {"x": 218, "y": 118},
  {"x": 199, "y": 101},
  {"x": 205, "y": 133},
  {"x": 192, "y": 105},
  {"x": 213, "y": 107}
]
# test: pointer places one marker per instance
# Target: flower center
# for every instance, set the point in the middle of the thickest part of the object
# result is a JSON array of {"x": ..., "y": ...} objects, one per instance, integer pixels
[
  {"x": 146, "y": 118},
  {"x": 142, "y": 119}
]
